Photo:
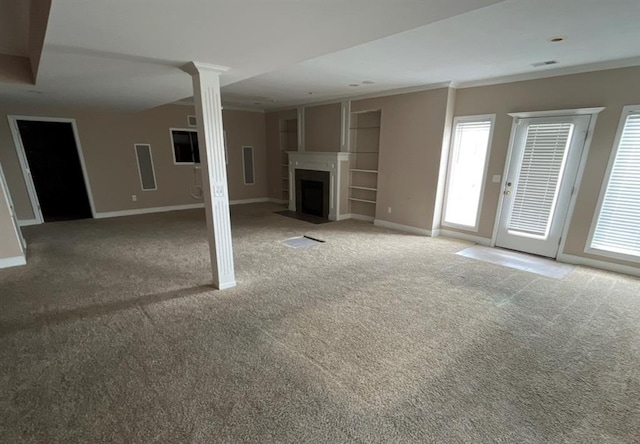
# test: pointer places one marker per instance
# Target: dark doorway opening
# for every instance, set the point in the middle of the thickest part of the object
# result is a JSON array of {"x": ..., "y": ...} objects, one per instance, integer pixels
[{"x": 54, "y": 163}]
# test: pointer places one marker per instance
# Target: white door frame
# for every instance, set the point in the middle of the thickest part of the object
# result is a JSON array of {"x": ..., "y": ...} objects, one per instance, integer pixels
[
  {"x": 4, "y": 188},
  {"x": 24, "y": 164},
  {"x": 593, "y": 112}
]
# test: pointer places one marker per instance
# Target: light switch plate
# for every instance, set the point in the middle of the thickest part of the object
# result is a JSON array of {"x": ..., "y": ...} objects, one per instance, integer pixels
[{"x": 496, "y": 178}]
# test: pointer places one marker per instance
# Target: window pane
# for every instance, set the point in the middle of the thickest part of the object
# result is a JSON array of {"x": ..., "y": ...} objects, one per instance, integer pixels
[
  {"x": 545, "y": 153},
  {"x": 466, "y": 172},
  {"x": 183, "y": 147},
  {"x": 618, "y": 226},
  {"x": 247, "y": 159},
  {"x": 145, "y": 167},
  {"x": 196, "y": 148}
]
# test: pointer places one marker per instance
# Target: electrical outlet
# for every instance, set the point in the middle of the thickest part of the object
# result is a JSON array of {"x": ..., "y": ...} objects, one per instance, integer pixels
[
  {"x": 496, "y": 178},
  {"x": 134, "y": 198},
  {"x": 389, "y": 210}
]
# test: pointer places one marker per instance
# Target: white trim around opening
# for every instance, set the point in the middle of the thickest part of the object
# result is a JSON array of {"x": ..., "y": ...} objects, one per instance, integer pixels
[{"x": 24, "y": 164}]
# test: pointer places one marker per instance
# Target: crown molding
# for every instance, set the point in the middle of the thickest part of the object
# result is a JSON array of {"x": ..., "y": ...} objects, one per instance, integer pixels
[
  {"x": 373, "y": 95},
  {"x": 557, "y": 72}
]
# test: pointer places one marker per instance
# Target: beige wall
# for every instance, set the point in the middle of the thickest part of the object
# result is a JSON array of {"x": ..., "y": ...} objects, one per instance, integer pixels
[
  {"x": 322, "y": 127},
  {"x": 274, "y": 156},
  {"x": 612, "y": 89},
  {"x": 107, "y": 141},
  {"x": 411, "y": 134},
  {"x": 246, "y": 128},
  {"x": 9, "y": 242}
]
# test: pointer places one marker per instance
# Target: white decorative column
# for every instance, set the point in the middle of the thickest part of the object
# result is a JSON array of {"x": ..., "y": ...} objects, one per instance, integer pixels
[{"x": 206, "y": 92}]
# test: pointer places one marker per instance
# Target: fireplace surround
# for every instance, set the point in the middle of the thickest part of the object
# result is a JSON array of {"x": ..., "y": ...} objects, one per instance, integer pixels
[{"x": 331, "y": 170}]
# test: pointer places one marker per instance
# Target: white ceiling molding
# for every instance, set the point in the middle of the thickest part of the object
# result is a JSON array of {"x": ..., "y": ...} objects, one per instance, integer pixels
[{"x": 558, "y": 72}]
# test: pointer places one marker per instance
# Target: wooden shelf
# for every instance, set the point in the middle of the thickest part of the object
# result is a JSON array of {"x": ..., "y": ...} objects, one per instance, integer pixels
[
  {"x": 363, "y": 188},
  {"x": 355, "y": 170},
  {"x": 362, "y": 200}
]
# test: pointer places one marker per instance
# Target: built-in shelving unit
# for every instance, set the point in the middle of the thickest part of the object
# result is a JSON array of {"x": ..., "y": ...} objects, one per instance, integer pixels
[
  {"x": 364, "y": 136},
  {"x": 288, "y": 142}
]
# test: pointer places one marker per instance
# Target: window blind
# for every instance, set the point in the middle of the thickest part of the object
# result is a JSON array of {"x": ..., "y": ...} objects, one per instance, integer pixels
[
  {"x": 545, "y": 153},
  {"x": 466, "y": 172},
  {"x": 618, "y": 225}
]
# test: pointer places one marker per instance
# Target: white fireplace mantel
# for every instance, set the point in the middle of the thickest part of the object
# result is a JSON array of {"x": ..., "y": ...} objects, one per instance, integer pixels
[{"x": 318, "y": 161}]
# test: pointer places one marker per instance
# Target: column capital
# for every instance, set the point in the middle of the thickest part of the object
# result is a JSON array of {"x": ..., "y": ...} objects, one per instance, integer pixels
[{"x": 195, "y": 68}]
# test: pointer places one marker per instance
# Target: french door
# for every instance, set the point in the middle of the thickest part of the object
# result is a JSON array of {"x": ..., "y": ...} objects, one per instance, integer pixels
[{"x": 544, "y": 161}]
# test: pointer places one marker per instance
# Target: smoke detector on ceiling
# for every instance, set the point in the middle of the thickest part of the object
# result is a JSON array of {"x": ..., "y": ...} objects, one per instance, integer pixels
[
  {"x": 558, "y": 38},
  {"x": 547, "y": 63}
]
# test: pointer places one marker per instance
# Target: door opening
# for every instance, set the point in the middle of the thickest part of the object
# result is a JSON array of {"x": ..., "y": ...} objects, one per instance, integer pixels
[
  {"x": 544, "y": 161},
  {"x": 54, "y": 166}
]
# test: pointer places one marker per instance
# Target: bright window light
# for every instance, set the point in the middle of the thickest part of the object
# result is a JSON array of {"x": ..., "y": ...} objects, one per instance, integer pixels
[
  {"x": 617, "y": 228},
  {"x": 468, "y": 157}
]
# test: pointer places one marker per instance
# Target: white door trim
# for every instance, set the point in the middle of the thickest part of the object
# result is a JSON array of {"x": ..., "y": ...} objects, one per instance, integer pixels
[
  {"x": 594, "y": 112},
  {"x": 24, "y": 164},
  {"x": 4, "y": 188}
]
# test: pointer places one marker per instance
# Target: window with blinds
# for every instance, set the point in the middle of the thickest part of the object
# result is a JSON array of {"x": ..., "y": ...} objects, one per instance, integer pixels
[
  {"x": 536, "y": 194},
  {"x": 467, "y": 165},
  {"x": 617, "y": 227}
]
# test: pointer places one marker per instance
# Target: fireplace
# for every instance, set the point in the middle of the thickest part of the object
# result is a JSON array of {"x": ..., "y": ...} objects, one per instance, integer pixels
[
  {"x": 331, "y": 170},
  {"x": 312, "y": 192}
]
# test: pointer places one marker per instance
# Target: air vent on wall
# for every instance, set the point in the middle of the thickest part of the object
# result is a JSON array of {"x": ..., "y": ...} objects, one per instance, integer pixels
[
  {"x": 547, "y": 63},
  {"x": 191, "y": 121}
]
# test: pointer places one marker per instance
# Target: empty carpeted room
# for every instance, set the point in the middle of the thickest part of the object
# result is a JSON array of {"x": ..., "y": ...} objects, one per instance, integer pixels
[{"x": 366, "y": 221}]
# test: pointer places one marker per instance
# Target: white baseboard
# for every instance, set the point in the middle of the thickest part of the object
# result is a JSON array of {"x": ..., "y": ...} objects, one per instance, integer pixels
[
  {"x": 278, "y": 201},
  {"x": 27, "y": 222},
  {"x": 13, "y": 261},
  {"x": 467, "y": 237},
  {"x": 595, "y": 263},
  {"x": 249, "y": 201},
  {"x": 400, "y": 227},
  {"x": 138, "y": 211},
  {"x": 361, "y": 217}
]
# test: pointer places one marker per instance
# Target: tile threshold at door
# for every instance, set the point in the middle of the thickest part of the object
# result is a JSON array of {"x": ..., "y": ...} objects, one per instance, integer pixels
[{"x": 519, "y": 261}]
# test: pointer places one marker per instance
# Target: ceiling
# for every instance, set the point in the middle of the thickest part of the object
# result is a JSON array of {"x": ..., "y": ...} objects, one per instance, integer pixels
[{"x": 126, "y": 54}]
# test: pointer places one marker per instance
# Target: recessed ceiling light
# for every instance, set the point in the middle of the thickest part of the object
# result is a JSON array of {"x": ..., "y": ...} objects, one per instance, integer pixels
[
  {"x": 353, "y": 85},
  {"x": 558, "y": 39},
  {"x": 368, "y": 82}
]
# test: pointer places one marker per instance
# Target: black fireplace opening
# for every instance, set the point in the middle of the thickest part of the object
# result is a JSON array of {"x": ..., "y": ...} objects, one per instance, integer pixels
[{"x": 312, "y": 192}]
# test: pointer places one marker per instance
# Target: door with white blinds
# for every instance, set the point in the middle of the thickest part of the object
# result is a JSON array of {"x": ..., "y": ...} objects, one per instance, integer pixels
[{"x": 545, "y": 157}]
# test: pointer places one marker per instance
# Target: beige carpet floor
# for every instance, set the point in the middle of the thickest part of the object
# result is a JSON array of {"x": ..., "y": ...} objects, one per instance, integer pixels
[{"x": 111, "y": 334}]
